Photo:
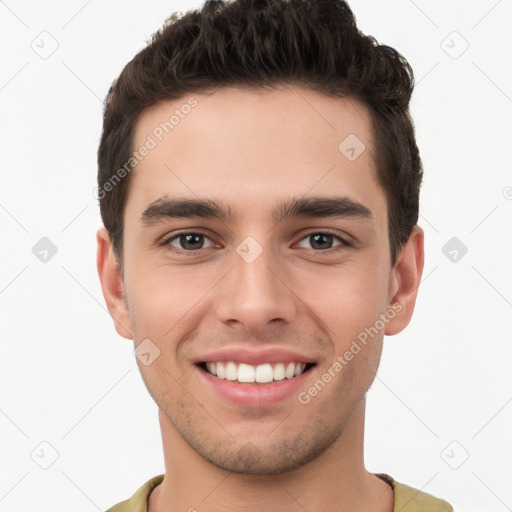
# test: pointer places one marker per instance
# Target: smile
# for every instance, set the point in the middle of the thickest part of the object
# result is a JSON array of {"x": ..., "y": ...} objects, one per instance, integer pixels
[{"x": 261, "y": 374}]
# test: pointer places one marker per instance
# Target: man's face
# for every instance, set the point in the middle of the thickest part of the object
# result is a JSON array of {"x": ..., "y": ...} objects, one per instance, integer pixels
[{"x": 261, "y": 288}]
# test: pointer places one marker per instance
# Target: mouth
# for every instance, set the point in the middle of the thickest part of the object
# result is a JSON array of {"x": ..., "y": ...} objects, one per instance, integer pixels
[
  {"x": 244, "y": 373},
  {"x": 252, "y": 378}
]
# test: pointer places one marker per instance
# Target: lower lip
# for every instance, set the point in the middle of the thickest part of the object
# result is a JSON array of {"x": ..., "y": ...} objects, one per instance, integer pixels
[{"x": 255, "y": 395}]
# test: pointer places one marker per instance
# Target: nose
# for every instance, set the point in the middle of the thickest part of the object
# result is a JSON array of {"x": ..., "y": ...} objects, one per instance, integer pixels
[{"x": 257, "y": 294}]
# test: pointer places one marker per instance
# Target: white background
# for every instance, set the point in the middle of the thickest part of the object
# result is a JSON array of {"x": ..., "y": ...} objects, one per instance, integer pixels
[{"x": 68, "y": 379}]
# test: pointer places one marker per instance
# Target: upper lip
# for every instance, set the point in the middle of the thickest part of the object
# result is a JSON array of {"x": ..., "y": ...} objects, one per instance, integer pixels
[{"x": 255, "y": 357}]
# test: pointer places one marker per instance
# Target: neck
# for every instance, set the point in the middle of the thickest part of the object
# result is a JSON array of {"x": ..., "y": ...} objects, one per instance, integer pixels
[{"x": 334, "y": 481}]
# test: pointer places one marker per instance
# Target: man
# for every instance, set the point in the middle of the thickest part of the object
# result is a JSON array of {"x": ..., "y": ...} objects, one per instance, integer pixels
[{"x": 259, "y": 186}]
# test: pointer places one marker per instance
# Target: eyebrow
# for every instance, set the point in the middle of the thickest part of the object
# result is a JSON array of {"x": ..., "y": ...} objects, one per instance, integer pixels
[{"x": 313, "y": 207}]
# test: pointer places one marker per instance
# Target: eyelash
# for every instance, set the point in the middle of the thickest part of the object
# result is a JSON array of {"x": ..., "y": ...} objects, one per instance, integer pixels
[{"x": 344, "y": 243}]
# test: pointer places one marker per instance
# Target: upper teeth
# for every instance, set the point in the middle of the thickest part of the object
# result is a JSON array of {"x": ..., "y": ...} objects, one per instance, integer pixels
[{"x": 261, "y": 373}]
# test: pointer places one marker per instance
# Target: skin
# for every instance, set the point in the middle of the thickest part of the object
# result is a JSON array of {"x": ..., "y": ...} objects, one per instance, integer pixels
[{"x": 251, "y": 150}]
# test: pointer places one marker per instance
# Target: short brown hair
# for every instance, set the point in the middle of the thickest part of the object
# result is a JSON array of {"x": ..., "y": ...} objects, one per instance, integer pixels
[{"x": 266, "y": 43}]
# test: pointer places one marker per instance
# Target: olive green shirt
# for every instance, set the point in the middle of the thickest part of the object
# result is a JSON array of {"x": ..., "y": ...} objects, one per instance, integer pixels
[{"x": 407, "y": 499}]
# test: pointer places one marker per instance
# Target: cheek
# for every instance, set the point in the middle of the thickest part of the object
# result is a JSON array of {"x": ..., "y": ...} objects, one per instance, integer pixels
[
  {"x": 163, "y": 297},
  {"x": 347, "y": 298}
]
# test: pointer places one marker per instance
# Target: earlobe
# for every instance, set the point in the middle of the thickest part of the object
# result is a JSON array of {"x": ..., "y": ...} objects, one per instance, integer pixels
[
  {"x": 112, "y": 284},
  {"x": 405, "y": 280}
]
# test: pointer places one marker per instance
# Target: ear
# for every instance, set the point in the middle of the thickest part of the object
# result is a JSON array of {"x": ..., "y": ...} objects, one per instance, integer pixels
[
  {"x": 405, "y": 279},
  {"x": 112, "y": 284}
]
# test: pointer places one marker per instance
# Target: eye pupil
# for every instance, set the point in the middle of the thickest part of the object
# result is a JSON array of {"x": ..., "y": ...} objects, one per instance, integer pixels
[
  {"x": 318, "y": 237},
  {"x": 186, "y": 240}
]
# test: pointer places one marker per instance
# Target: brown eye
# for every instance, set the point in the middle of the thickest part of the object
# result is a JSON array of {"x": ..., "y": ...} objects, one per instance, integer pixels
[
  {"x": 188, "y": 242},
  {"x": 323, "y": 241}
]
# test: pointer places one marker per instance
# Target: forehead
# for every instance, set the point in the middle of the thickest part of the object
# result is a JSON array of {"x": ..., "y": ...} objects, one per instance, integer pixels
[{"x": 251, "y": 146}]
